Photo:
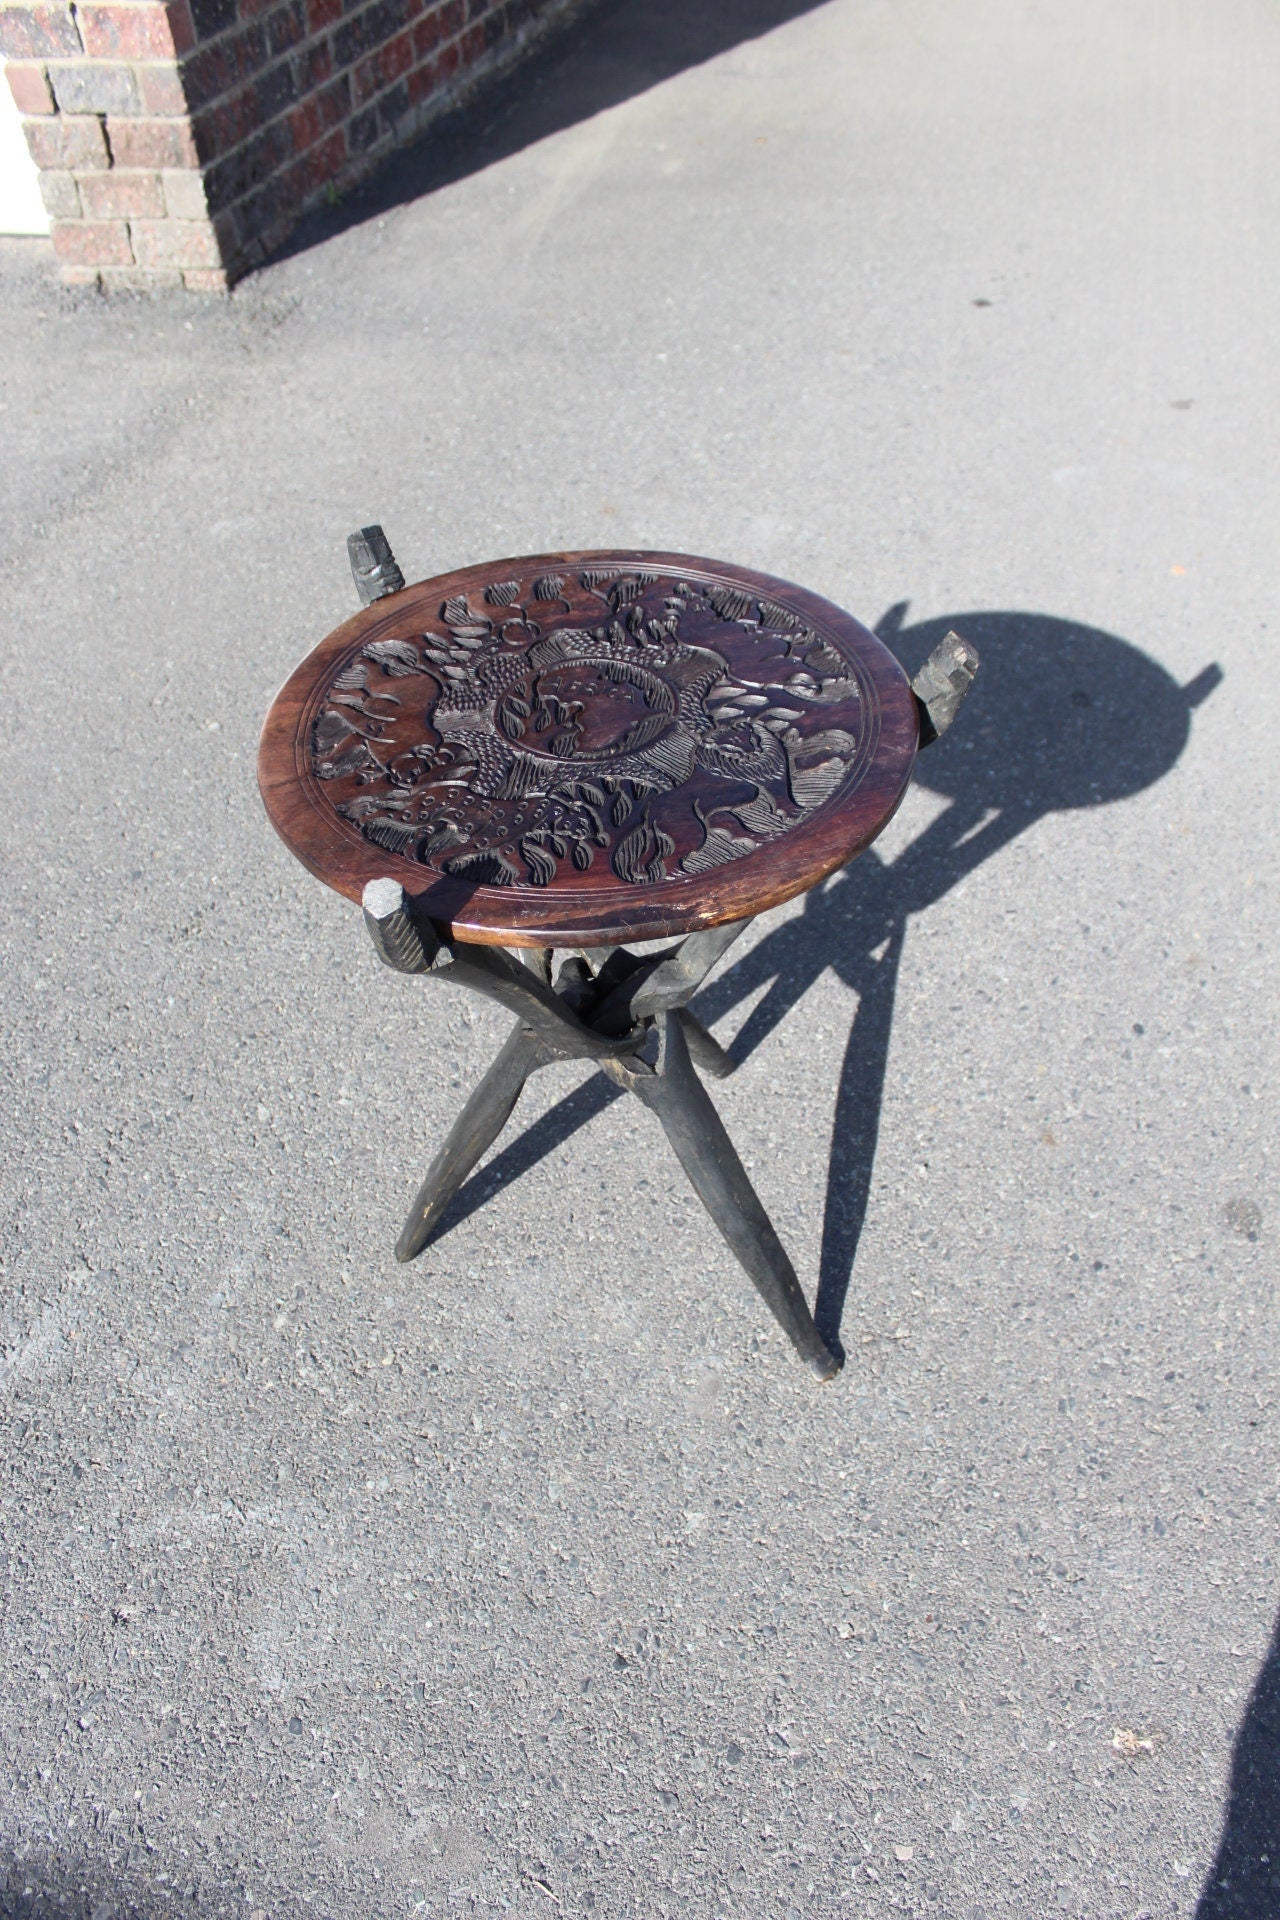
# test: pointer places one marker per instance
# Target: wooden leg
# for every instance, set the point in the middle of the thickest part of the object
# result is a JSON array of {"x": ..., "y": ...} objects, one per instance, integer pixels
[
  {"x": 475, "y": 1129},
  {"x": 719, "y": 1179},
  {"x": 706, "y": 1052}
]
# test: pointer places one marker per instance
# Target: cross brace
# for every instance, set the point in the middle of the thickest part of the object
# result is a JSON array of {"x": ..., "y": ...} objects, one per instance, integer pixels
[{"x": 627, "y": 1013}]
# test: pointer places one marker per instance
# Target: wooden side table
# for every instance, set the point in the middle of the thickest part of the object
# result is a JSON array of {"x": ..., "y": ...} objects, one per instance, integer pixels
[{"x": 574, "y": 751}]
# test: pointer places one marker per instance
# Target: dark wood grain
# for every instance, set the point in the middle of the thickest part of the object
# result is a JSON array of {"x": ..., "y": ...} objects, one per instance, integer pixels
[{"x": 587, "y": 748}]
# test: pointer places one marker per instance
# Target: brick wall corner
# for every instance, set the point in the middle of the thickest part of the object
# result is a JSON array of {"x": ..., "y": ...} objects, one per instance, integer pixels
[{"x": 178, "y": 142}]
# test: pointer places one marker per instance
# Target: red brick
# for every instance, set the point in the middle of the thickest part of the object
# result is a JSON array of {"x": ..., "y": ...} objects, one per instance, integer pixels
[
  {"x": 30, "y": 89},
  {"x": 322, "y": 110},
  {"x": 151, "y": 143},
  {"x": 92, "y": 243},
  {"x": 79, "y": 276},
  {"x": 313, "y": 66},
  {"x": 318, "y": 166},
  {"x": 184, "y": 195},
  {"x": 60, "y": 195},
  {"x": 205, "y": 279},
  {"x": 181, "y": 25},
  {"x": 428, "y": 33},
  {"x": 160, "y": 90},
  {"x": 94, "y": 86},
  {"x": 138, "y": 279},
  {"x": 365, "y": 80},
  {"x": 472, "y": 44},
  {"x": 215, "y": 70},
  {"x": 175, "y": 243},
  {"x": 287, "y": 27},
  {"x": 138, "y": 30},
  {"x": 328, "y": 158},
  {"x": 306, "y": 123},
  {"x": 224, "y": 228},
  {"x": 398, "y": 56},
  {"x": 118, "y": 196},
  {"x": 71, "y": 140},
  {"x": 423, "y": 83},
  {"x": 45, "y": 142},
  {"x": 37, "y": 33},
  {"x": 210, "y": 72},
  {"x": 322, "y": 14},
  {"x": 220, "y": 128}
]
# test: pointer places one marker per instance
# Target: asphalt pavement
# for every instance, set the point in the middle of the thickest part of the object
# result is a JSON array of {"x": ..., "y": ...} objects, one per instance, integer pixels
[{"x": 538, "y": 1577}]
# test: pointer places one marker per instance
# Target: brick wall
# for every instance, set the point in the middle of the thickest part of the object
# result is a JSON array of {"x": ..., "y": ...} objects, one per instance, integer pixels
[{"x": 178, "y": 141}]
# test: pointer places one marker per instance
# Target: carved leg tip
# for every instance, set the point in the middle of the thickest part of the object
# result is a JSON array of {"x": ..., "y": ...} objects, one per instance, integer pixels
[
  {"x": 382, "y": 898},
  {"x": 373, "y": 565},
  {"x": 942, "y": 684},
  {"x": 400, "y": 941}
]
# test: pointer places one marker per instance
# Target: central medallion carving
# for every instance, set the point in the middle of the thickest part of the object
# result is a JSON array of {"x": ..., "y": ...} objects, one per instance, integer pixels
[{"x": 594, "y": 729}]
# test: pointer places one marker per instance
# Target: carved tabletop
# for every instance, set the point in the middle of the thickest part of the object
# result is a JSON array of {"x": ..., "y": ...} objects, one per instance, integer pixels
[{"x": 586, "y": 748}]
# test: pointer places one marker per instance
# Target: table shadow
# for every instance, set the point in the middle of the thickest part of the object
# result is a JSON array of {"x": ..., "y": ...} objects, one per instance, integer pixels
[
  {"x": 1244, "y": 1881},
  {"x": 1062, "y": 717},
  {"x": 612, "y": 51}
]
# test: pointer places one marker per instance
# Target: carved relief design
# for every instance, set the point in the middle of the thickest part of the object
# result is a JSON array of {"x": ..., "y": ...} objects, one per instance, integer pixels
[{"x": 589, "y": 729}]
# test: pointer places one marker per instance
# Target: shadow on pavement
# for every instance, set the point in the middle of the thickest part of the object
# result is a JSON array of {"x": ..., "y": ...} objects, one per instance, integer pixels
[
  {"x": 1061, "y": 717},
  {"x": 611, "y": 52},
  {"x": 1244, "y": 1881}
]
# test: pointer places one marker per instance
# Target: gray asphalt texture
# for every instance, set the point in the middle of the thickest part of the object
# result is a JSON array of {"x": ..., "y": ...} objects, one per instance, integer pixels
[{"x": 538, "y": 1577}]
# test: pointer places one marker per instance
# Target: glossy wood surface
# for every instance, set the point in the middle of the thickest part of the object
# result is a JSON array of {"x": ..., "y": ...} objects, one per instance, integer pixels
[{"x": 586, "y": 748}]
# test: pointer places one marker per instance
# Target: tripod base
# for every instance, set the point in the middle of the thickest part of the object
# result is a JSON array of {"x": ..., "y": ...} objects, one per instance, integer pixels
[{"x": 629, "y": 1016}]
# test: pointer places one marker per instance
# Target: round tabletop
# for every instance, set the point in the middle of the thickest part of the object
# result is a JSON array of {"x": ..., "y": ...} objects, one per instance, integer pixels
[{"x": 579, "y": 749}]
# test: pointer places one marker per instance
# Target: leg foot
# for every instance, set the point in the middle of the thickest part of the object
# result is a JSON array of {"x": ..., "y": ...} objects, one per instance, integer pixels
[
  {"x": 719, "y": 1179},
  {"x": 475, "y": 1129}
]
